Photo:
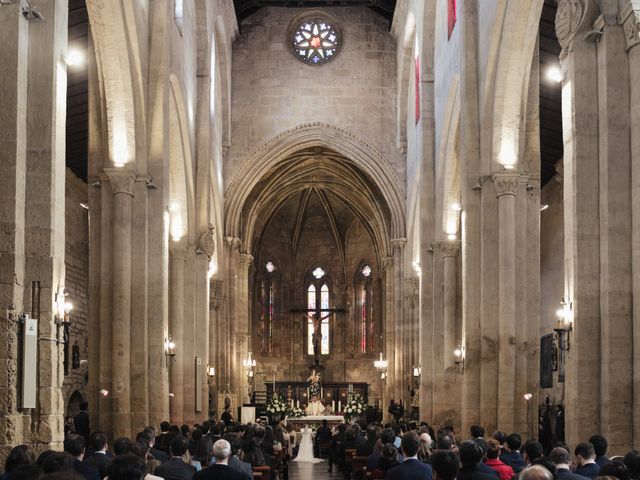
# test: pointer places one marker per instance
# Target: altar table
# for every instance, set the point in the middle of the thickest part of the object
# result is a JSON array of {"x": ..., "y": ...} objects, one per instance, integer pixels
[{"x": 316, "y": 419}]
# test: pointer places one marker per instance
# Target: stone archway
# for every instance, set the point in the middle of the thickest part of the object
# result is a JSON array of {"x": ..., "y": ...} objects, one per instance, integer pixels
[{"x": 73, "y": 403}]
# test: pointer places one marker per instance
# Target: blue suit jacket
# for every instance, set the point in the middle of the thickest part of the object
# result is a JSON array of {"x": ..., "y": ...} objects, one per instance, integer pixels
[
  {"x": 591, "y": 470},
  {"x": 566, "y": 474},
  {"x": 410, "y": 469}
]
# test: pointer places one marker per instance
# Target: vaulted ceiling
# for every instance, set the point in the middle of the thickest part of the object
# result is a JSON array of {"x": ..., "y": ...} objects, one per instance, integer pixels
[{"x": 385, "y": 8}]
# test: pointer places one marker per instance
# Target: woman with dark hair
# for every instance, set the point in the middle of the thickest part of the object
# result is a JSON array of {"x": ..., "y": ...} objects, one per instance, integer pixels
[
  {"x": 128, "y": 466},
  {"x": 615, "y": 469},
  {"x": 202, "y": 452},
  {"x": 388, "y": 460},
  {"x": 632, "y": 461},
  {"x": 19, "y": 455},
  {"x": 141, "y": 450}
]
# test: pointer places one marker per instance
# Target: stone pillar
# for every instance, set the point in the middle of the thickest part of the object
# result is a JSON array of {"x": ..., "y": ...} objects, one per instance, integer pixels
[
  {"x": 177, "y": 259},
  {"x": 506, "y": 185},
  {"x": 615, "y": 233},
  {"x": 401, "y": 370},
  {"x": 243, "y": 332},
  {"x": 231, "y": 293},
  {"x": 391, "y": 389},
  {"x": 631, "y": 23},
  {"x": 470, "y": 172},
  {"x": 216, "y": 339},
  {"x": 450, "y": 249},
  {"x": 122, "y": 183},
  {"x": 581, "y": 223}
]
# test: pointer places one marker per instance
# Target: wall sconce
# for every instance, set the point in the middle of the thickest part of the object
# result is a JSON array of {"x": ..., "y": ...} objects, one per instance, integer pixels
[
  {"x": 169, "y": 349},
  {"x": 459, "y": 358},
  {"x": 417, "y": 373},
  {"x": 211, "y": 372},
  {"x": 564, "y": 324},
  {"x": 249, "y": 363},
  {"x": 63, "y": 314},
  {"x": 381, "y": 366}
]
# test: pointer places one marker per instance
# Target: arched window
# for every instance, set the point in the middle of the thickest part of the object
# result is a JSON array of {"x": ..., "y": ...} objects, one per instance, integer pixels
[
  {"x": 267, "y": 309},
  {"x": 318, "y": 303},
  {"x": 364, "y": 320}
]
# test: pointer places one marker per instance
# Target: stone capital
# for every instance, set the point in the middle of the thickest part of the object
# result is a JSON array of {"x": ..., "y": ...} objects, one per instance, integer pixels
[
  {"x": 207, "y": 241},
  {"x": 178, "y": 250},
  {"x": 630, "y": 19},
  {"x": 573, "y": 19},
  {"x": 246, "y": 260},
  {"x": 506, "y": 183},
  {"x": 387, "y": 262},
  {"x": 398, "y": 244},
  {"x": 232, "y": 243},
  {"x": 450, "y": 248},
  {"x": 122, "y": 180}
]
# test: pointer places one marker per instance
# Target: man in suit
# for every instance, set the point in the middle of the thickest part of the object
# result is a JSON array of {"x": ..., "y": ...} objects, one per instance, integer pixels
[
  {"x": 323, "y": 435},
  {"x": 444, "y": 464},
  {"x": 411, "y": 468},
  {"x": 586, "y": 460},
  {"x": 81, "y": 420},
  {"x": 562, "y": 459},
  {"x": 99, "y": 460},
  {"x": 600, "y": 445},
  {"x": 176, "y": 468},
  {"x": 221, "y": 469},
  {"x": 234, "y": 460},
  {"x": 511, "y": 454},
  {"x": 148, "y": 435},
  {"x": 74, "y": 445},
  {"x": 471, "y": 458},
  {"x": 226, "y": 416},
  {"x": 386, "y": 436}
]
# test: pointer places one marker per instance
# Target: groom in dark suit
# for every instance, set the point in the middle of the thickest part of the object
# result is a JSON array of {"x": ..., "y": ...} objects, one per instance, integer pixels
[{"x": 411, "y": 468}]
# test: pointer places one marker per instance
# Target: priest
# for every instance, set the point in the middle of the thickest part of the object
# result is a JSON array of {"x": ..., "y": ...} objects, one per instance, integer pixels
[{"x": 315, "y": 407}]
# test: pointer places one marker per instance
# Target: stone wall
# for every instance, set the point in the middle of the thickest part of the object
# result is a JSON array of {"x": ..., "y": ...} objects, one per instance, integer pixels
[
  {"x": 77, "y": 273},
  {"x": 273, "y": 92},
  {"x": 551, "y": 269}
]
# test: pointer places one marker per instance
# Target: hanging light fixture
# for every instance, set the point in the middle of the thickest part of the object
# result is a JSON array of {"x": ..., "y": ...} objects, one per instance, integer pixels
[{"x": 381, "y": 366}]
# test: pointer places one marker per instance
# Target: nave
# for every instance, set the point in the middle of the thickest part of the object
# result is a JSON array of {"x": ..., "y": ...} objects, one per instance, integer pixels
[{"x": 315, "y": 471}]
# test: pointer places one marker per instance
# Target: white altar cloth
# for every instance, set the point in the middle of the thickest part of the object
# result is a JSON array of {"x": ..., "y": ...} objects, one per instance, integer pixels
[{"x": 317, "y": 419}]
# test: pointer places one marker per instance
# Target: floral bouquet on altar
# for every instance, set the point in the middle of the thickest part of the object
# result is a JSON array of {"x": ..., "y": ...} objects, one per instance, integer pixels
[
  {"x": 276, "y": 405},
  {"x": 295, "y": 412},
  {"x": 314, "y": 384},
  {"x": 355, "y": 407}
]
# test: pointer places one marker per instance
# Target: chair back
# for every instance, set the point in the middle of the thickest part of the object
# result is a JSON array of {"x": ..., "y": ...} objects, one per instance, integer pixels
[{"x": 264, "y": 472}]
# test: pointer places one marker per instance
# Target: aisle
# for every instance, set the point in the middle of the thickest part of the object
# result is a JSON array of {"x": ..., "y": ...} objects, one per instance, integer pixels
[{"x": 315, "y": 471}]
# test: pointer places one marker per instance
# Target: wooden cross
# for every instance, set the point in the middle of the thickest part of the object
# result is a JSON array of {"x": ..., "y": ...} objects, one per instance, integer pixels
[{"x": 317, "y": 319}]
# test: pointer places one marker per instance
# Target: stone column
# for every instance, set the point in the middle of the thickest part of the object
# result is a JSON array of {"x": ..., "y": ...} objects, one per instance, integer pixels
[
  {"x": 631, "y": 21},
  {"x": 401, "y": 370},
  {"x": 389, "y": 347},
  {"x": 470, "y": 172},
  {"x": 506, "y": 184},
  {"x": 122, "y": 183},
  {"x": 243, "y": 337},
  {"x": 177, "y": 259},
  {"x": 231, "y": 293},
  {"x": 450, "y": 249},
  {"x": 581, "y": 223},
  {"x": 216, "y": 340}
]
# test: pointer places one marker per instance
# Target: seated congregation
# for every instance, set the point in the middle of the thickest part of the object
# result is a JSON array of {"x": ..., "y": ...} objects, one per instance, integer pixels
[{"x": 234, "y": 451}]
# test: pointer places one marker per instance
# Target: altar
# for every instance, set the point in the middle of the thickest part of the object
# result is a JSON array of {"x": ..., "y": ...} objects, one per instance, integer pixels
[
  {"x": 316, "y": 419},
  {"x": 336, "y": 393}
]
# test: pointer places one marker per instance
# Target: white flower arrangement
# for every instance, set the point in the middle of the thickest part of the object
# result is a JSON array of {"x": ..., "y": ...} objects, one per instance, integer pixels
[
  {"x": 356, "y": 406},
  {"x": 295, "y": 412},
  {"x": 276, "y": 405}
]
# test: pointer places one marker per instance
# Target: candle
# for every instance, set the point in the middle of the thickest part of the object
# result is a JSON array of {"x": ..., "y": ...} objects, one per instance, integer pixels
[
  {"x": 308, "y": 394},
  {"x": 298, "y": 404},
  {"x": 339, "y": 405},
  {"x": 321, "y": 392},
  {"x": 333, "y": 405}
]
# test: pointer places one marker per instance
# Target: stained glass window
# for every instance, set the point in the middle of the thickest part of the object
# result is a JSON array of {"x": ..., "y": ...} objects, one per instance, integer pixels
[
  {"x": 312, "y": 306},
  {"x": 267, "y": 311},
  {"x": 318, "y": 273},
  {"x": 363, "y": 326},
  {"x": 451, "y": 16},
  {"x": 315, "y": 41}
]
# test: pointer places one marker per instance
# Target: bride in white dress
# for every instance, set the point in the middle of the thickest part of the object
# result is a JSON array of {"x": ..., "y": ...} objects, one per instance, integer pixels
[{"x": 305, "y": 452}]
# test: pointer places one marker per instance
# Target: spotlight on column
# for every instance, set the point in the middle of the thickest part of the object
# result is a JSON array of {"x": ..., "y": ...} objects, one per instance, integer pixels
[
  {"x": 458, "y": 353},
  {"x": 528, "y": 396},
  {"x": 104, "y": 393},
  {"x": 555, "y": 74},
  {"x": 456, "y": 207}
]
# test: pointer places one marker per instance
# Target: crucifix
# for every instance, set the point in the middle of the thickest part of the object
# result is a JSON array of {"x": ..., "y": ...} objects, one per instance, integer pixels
[{"x": 318, "y": 314}]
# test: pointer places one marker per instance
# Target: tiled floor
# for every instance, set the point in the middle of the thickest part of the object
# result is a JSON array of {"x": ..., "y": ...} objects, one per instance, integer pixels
[{"x": 312, "y": 471}]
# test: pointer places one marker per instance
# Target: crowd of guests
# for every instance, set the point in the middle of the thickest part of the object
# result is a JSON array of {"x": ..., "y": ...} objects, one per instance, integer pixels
[{"x": 227, "y": 450}]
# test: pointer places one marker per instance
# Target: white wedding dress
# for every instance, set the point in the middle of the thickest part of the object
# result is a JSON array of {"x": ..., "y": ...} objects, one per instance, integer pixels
[{"x": 305, "y": 452}]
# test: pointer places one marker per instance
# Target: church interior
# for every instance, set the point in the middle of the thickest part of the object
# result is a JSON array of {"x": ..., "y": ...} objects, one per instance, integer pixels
[{"x": 204, "y": 202}]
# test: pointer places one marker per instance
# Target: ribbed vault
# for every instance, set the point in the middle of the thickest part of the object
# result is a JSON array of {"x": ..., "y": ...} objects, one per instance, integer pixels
[{"x": 318, "y": 176}]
